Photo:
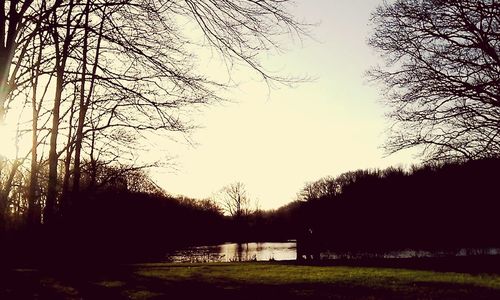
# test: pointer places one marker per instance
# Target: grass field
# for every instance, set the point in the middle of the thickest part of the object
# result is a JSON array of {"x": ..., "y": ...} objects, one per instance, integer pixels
[{"x": 254, "y": 280}]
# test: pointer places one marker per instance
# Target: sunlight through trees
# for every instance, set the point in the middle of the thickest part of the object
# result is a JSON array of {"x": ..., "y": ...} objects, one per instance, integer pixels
[{"x": 90, "y": 79}]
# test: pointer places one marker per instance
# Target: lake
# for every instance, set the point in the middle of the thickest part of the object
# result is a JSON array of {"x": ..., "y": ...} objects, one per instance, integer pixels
[
  {"x": 230, "y": 252},
  {"x": 266, "y": 251}
]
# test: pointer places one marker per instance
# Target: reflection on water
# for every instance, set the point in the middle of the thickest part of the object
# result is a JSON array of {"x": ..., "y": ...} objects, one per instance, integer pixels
[
  {"x": 232, "y": 252},
  {"x": 236, "y": 252},
  {"x": 410, "y": 253}
]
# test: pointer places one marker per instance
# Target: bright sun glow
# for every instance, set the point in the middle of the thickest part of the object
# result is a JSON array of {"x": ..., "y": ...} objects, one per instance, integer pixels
[{"x": 8, "y": 140}]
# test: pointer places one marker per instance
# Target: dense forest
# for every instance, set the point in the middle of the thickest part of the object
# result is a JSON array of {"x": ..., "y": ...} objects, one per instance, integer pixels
[{"x": 434, "y": 207}]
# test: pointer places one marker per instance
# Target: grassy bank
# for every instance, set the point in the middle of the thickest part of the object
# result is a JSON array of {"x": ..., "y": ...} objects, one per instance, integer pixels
[{"x": 249, "y": 281}]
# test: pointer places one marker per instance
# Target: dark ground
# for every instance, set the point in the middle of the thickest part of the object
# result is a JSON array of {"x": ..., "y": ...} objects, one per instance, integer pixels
[{"x": 437, "y": 278}]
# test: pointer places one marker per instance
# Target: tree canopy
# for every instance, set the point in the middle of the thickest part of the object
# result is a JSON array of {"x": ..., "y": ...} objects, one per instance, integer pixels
[
  {"x": 92, "y": 79},
  {"x": 441, "y": 75}
]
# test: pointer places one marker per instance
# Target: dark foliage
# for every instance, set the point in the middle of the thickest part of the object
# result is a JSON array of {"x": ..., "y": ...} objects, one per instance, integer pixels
[
  {"x": 434, "y": 207},
  {"x": 445, "y": 206},
  {"x": 138, "y": 225},
  {"x": 113, "y": 225}
]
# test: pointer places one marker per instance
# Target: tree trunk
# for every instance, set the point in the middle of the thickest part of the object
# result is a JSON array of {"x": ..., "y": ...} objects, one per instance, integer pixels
[
  {"x": 93, "y": 164},
  {"x": 62, "y": 55},
  {"x": 4, "y": 84},
  {"x": 84, "y": 101},
  {"x": 4, "y": 194},
  {"x": 34, "y": 217},
  {"x": 65, "y": 198},
  {"x": 81, "y": 114},
  {"x": 50, "y": 205},
  {"x": 33, "y": 205},
  {"x": 3, "y": 206}
]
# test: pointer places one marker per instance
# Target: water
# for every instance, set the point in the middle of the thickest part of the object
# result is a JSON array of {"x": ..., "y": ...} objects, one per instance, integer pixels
[
  {"x": 231, "y": 252},
  {"x": 411, "y": 253}
]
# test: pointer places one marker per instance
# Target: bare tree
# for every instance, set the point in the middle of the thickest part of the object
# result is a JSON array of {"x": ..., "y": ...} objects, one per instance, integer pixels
[
  {"x": 34, "y": 206},
  {"x": 119, "y": 69},
  {"x": 19, "y": 25},
  {"x": 234, "y": 200},
  {"x": 63, "y": 32},
  {"x": 155, "y": 85},
  {"x": 12, "y": 22},
  {"x": 442, "y": 75}
]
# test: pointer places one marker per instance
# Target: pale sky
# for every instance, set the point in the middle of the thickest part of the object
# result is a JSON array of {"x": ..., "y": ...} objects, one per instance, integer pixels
[{"x": 275, "y": 143}]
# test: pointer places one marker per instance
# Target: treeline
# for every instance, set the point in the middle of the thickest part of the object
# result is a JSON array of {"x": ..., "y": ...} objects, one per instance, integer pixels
[
  {"x": 435, "y": 207},
  {"x": 85, "y": 85},
  {"x": 126, "y": 217},
  {"x": 123, "y": 226},
  {"x": 120, "y": 214}
]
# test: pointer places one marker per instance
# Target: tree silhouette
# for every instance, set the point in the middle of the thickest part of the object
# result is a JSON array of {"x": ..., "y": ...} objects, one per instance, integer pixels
[
  {"x": 100, "y": 76},
  {"x": 234, "y": 200},
  {"x": 437, "y": 206},
  {"x": 442, "y": 74},
  {"x": 324, "y": 187}
]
